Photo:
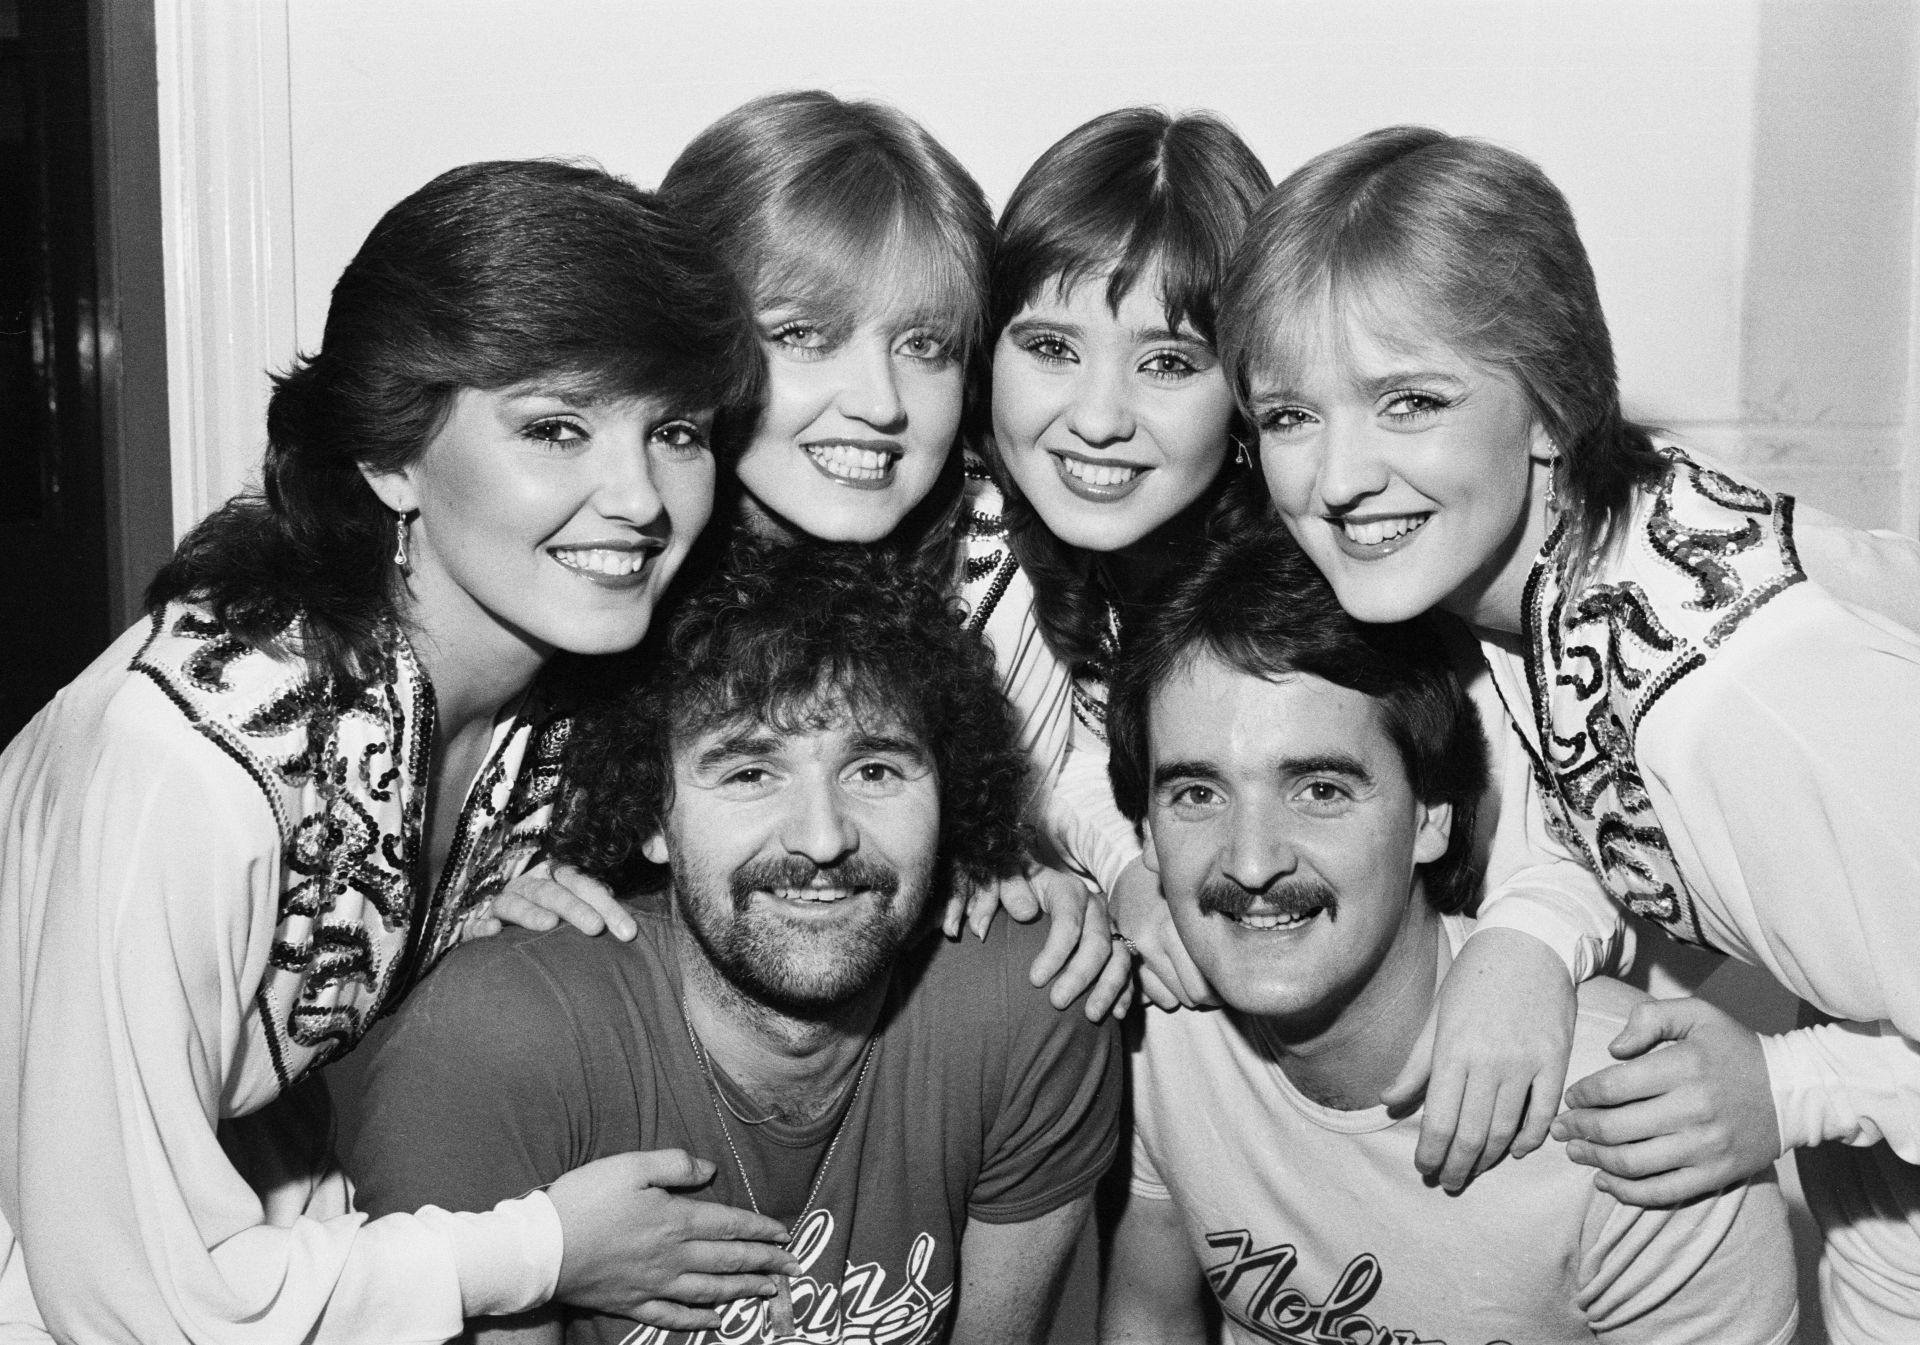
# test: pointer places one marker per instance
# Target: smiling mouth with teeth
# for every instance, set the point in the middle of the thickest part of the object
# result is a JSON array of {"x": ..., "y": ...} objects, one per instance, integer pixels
[
  {"x": 850, "y": 462},
  {"x": 816, "y": 895},
  {"x": 1098, "y": 474},
  {"x": 1259, "y": 920},
  {"x": 611, "y": 561},
  {"x": 1373, "y": 531}
]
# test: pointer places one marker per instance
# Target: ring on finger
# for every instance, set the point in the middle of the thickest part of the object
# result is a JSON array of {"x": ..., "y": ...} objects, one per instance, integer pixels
[{"x": 1133, "y": 949}]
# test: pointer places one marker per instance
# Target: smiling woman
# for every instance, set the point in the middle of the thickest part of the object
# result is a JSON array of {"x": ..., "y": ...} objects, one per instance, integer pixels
[
  {"x": 257, "y": 820},
  {"x": 862, "y": 245}
]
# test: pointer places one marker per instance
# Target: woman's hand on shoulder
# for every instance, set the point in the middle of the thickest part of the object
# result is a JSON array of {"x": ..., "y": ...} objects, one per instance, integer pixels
[
  {"x": 1081, "y": 954},
  {"x": 545, "y": 895},
  {"x": 1168, "y": 975},
  {"x": 1671, "y": 1124},
  {"x": 1492, "y": 1057},
  {"x": 634, "y": 1246}
]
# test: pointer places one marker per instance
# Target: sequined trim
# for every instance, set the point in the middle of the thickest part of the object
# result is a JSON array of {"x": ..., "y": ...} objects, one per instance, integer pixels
[
  {"x": 1704, "y": 554},
  {"x": 347, "y": 788}
]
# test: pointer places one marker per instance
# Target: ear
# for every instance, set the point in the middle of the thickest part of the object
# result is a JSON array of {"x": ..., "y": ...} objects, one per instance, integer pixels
[
  {"x": 655, "y": 848},
  {"x": 1540, "y": 445},
  {"x": 1435, "y": 830},
  {"x": 395, "y": 488}
]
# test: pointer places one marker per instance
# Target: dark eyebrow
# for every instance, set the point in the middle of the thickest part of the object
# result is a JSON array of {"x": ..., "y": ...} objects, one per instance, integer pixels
[
  {"x": 745, "y": 742},
  {"x": 891, "y": 744},
  {"x": 1019, "y": 326},
  {"x": 1144, "y": 335},
  {"x": 1168, "y": 771},
  {"x": 1327, "y": 763}
]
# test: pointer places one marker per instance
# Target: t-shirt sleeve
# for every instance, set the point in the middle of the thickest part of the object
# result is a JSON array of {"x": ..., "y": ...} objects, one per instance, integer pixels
[
  {"x": 1717, "y": 1270},
  {"x": 476, "y": 1090},
  {"x": 1055, "y": 1126}
]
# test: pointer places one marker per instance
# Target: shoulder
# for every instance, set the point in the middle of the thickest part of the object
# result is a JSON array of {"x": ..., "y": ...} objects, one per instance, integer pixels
[
  {"x": 544, "y": 975},
  {"x": 1602, "y": 1006},
  {"x": 978, "y": 991}
]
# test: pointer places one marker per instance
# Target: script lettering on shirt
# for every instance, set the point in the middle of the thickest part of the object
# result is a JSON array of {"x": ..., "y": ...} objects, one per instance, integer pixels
[
  {"x": 853, "y": 1308},
  {"x": 1286, "y": 1316}
]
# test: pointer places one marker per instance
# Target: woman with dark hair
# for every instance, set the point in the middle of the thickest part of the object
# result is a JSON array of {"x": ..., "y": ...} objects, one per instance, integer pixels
[
  {"x": 263, "y": 813},
  {"x": 1112, "y": 456},
  {"x": 1718, "y": 690}
]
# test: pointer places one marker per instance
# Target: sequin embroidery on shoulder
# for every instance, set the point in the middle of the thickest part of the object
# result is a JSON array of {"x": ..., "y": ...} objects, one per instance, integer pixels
[{"x": 1705, "y": 552}]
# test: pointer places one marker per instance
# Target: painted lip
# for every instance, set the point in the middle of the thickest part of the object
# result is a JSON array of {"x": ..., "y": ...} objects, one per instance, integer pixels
[
  {"x": 851, "y": 462},
  {"x": 1356, "y": 549},
  {"x": 619, "y": 565},
  {"x": 1064, "y": 461}
]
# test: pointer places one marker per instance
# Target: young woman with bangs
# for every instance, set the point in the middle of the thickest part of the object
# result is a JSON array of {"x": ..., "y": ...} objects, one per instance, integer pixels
[
  {"x": 1115, "y": 451},
  {"x": 1715, "y": 692},
  {"x": 257, "y": 820},
  {"x": 861, "y": 245}
]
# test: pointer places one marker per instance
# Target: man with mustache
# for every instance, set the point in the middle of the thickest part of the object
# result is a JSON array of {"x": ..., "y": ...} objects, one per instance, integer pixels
[
  {"x": 815, "y": 751},
  {"x": 1307, "y": 788}
]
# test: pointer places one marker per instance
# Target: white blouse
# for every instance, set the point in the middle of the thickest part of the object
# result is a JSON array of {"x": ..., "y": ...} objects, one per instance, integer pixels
[
  {"x": 205, "y": 890},
  {"x": 1733, "y": 709}
]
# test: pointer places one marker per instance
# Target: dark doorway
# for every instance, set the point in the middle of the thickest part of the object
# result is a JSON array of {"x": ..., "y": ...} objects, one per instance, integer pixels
[{"x": 84, "y": 509}]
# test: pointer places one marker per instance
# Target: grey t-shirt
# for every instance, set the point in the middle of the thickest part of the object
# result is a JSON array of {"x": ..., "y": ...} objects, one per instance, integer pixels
[{"x": 524, "y": 1056}]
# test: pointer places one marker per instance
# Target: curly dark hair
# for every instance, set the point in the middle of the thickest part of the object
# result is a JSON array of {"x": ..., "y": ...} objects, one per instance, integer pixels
[
  {"x": 785, "y": 636},
  {"x": 491, "y": 275},
  {"x": 1259, "y": 605}
]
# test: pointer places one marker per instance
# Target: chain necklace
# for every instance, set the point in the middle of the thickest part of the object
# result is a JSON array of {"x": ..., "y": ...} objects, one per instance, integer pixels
[{"x": 780, "y": 1323}]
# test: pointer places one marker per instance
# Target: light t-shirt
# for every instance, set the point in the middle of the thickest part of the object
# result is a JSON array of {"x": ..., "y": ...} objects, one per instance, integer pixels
[{"x": 1312, "y": 1224}]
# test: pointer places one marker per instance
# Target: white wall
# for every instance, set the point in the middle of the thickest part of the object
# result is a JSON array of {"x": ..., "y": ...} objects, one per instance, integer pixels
[{"x": 1743, "y": 170}]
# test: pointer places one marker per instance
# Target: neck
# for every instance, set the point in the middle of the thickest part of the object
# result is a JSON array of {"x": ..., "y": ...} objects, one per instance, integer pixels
[
  {"x": 1348, "y": 1060},
  {"x": 1494, "y": 597},
  {"x": 475, "y": 664},
  {"x": 1132, "y": 570},
  {"x": 795, "y": 1068}
]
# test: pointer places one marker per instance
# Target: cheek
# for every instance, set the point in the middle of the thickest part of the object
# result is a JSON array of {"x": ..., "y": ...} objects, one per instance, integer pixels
[
  {"x": 933, "y": 413},
  {"x": 793, "y": 402},
  {"x": 1022, "y": 405},
  {"x": 686, "y": 489}
]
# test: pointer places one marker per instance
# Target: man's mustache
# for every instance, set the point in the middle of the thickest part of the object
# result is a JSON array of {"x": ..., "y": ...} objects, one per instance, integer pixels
[
  {"x": 774, "y": 872},
  {"x": 1290, "y": 897}
]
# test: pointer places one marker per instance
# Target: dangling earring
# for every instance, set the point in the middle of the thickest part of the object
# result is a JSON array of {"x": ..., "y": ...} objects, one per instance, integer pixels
[
  {"x": 1241, "y": 457},
  {"x": 400, "y": 538},
  {"x": 1553, "y": 485}
]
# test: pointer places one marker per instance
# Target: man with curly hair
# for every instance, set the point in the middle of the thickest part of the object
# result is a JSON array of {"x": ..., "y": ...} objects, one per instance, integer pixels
[{"x": 816, "y": 750}]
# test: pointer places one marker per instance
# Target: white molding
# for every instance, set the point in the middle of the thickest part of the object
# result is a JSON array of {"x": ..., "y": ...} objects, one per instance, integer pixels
[{"x": 226, "y": 187}]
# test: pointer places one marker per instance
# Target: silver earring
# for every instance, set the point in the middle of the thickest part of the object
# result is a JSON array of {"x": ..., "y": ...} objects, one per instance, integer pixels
[
  {"x": 1553, "y": 486},
  {"x": 1240, "y": 454},
  {"x": 400, "y": 538}
]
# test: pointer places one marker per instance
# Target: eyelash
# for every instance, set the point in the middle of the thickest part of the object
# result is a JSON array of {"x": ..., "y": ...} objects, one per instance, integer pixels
[
  {"x": 537, "y": 431},
  {"x": 942, "y": 349},
  {"x": 696, "y": 439},
  {"x": 1049, "y": 348},
  {"x": 1429, "y": 404},
  {"x": 784, "y": 334},
  {"x": 1186, "y": 367}
]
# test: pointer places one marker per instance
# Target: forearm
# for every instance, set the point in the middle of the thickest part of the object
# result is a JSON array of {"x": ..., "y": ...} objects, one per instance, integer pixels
[
  {"x": 1855, "y": 1083},
  {"x": 1083, "y": 822},
  {"x": 1152, "y": 1294}
]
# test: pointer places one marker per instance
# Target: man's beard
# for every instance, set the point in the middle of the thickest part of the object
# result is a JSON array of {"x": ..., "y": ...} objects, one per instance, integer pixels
[
  {"x": 766, "y": 958},
  {"x": 1289, "y": 898}
]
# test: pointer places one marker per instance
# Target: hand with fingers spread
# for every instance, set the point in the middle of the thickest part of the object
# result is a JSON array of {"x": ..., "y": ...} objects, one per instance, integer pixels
[
  {"x": 1168, "y": 975},
  {"x": 545, "y": 895},
  {"x": 1676, "y": 1122},
  {"x": 1080, "y": 956},
  {"x": 1492, "y": 1057},
  {"x": 636, "y": 1247}
]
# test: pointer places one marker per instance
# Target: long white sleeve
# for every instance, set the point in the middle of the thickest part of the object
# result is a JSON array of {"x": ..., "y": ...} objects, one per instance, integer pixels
[
  {"x": 1082, "y": 818},
  {"x": 1533, "y": 883},
  {"x": 139, "y": 889}
]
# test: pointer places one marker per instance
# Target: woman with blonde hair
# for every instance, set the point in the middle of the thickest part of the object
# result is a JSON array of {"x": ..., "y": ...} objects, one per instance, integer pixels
[{"x": 1717, "y": 691}]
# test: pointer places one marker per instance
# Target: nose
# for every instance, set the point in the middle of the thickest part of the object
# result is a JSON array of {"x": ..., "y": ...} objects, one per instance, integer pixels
[
  {"x": 871, "y": 392},
  {"x": 626, "y": 491},
  {"x": 1258, "y": 852},
  {"x": 1351, "y": 466},
  {"x": 817, "y": 825},
  {"x": 1102, "y": 410}
]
